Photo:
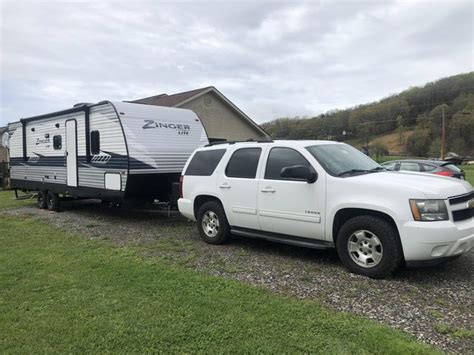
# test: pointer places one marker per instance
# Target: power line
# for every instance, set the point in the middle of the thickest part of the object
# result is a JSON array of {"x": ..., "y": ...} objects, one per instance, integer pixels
[{"x": 350, "y": 125}]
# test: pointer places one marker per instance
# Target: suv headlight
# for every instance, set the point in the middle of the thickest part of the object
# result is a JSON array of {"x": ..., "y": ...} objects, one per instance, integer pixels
[{"x": 429, "y": 210}]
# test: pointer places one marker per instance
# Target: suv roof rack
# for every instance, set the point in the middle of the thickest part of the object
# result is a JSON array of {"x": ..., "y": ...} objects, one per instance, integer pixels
[{"x": 245, "y": 141}]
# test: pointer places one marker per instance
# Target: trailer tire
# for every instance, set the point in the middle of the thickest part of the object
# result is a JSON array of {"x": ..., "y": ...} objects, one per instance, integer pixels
[
  {"x": 52, "y": 201},
  {"x": 42, "y": 200}
]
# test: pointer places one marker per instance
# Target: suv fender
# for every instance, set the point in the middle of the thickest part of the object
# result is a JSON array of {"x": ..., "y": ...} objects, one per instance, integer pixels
[
  {"x": 201, "y": 199},
  {"x": 338, "y": 216}
]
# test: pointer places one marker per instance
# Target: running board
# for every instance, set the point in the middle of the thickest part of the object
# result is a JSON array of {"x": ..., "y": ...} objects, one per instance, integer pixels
[{"x": 283, "y": 238}]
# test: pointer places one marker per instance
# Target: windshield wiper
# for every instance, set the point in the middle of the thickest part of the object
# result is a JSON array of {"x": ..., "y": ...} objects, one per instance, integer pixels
[
  {"x": 361, "y": 171},
  {"x": 352, "y": 171},
  {"x": 378, "y": 168}
]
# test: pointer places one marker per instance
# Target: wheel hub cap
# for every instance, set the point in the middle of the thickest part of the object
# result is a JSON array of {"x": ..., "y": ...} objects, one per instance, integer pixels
[
  {"x": 210, "y": 224},
  {"x": 365, "y": 248}
]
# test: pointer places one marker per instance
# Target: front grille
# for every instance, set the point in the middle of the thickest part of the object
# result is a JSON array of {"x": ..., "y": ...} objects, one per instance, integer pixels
[
  {"x": 460, "y": 199},
  {"x": 461, "y": 215}
]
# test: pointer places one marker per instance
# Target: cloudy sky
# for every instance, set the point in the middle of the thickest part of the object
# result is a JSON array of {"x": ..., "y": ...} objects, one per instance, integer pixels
[{"x": 271, "y": 58}]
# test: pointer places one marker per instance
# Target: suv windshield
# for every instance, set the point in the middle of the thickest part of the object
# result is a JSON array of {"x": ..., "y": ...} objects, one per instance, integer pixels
[{"x": 343, "y": 160}]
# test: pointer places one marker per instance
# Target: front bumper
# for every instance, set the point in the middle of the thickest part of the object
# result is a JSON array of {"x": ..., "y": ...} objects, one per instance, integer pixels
[
  {"x": 436, "y": 240},
  {"x": 186, "y": 208},
  {"x": 429, "y": 263}
]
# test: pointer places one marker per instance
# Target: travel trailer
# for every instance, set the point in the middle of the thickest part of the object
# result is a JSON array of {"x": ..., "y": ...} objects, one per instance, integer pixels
[{"x": 113, "y": 151}]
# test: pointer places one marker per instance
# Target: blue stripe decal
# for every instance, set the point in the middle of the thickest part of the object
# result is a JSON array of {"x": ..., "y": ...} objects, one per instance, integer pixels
[{"x": 105, "y": 159}]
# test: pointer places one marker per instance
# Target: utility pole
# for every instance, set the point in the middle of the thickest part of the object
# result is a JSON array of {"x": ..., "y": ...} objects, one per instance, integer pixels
[{"x": 443, "y": 134}]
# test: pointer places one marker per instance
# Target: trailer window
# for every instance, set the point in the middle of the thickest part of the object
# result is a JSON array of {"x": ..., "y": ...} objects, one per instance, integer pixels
[
  {"x": 204, "y": 162},
  {"x": 243, "y": 163},
  {"x": 95, "y": 142},
  {"x": 57, "y": 142}
]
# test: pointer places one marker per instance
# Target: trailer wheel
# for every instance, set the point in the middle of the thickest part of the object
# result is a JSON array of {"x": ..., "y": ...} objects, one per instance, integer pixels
[
  {"x": 42, "y": 200},
  {"x": 52, "y": 201}
]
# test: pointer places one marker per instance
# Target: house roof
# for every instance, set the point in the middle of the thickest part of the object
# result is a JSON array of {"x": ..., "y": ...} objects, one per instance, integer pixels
[
  {"x": 179, "y": 99},
  {"x": 171, "y": 100}
]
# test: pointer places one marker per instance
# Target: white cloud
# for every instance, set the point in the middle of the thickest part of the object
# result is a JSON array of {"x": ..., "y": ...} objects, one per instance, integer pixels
[{"x": 272, "y": 59}]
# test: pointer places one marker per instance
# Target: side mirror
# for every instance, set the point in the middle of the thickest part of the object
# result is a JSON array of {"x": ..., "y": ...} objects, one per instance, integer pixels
[{"x": 299, "y": 172}]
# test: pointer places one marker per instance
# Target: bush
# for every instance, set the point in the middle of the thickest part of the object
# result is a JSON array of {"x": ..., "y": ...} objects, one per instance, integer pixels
[{"x": 418, "y": 143}]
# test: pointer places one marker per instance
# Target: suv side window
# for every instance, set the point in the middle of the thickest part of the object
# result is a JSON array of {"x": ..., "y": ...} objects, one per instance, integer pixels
[
  {"x": 389, "y": 166},
  {"x": 280, "y": 158},
  {"x": 243, "y": 163},
  {"x": 204, "y": 162},
  {"x": 407, "y": 166},
  {"x": 427, "y": 167}
]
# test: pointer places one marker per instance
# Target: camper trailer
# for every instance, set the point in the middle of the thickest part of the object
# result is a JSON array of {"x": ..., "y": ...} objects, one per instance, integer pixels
[{"x": 113, "y": 151}]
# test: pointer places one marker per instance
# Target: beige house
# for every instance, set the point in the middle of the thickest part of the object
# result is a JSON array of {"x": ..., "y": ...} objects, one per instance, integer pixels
[
  {"x": 3, "y": 150},
  {"x": 221, "y": 118}
]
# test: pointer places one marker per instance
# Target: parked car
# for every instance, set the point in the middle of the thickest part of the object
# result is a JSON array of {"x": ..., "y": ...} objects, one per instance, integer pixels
[
  {"x": 322, "y": 194},
  {"x": 438, "y": 167}
]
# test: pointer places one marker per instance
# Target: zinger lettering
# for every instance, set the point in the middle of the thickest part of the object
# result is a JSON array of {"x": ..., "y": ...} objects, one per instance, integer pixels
[{"x": 182, "y": 129}]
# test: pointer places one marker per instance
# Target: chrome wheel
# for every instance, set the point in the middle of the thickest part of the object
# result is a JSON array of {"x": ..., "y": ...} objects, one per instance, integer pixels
[
  {"x": 210, "y": 224},
  {"x": 365, "y": 248}
]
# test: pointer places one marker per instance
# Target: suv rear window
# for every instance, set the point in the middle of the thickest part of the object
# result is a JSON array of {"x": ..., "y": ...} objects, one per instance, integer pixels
[
  {"x": 204, "y": 162},
  {"x": 452, "y": 167},
  {"x": 243, "y": 163}
]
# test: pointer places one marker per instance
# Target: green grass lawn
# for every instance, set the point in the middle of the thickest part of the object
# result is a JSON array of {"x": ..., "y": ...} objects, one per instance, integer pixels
[
  {"x": 469, "y": 169},
  {"x": 7, "y": 200},
  {"x": 63, "y": 293}
]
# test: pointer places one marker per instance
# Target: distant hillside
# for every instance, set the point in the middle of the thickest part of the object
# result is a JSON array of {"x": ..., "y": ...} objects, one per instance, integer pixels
[
  {"x": 417, "y": 110},
  {"x": 392, "y": 142}
]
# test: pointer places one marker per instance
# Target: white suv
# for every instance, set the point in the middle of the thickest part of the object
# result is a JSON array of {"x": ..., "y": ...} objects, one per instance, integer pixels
[{"x": 323, "y": 194}]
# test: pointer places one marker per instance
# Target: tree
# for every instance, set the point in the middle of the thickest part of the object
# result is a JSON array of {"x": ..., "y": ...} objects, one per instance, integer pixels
[
  {"x": 435, "y": 148},
  {"x": 401, "y": 134},
  {"x": 379, "y": 150},
  {"x": 418, "y": 143}
]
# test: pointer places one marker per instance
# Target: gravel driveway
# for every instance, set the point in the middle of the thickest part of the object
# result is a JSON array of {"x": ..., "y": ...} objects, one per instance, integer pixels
[{"x": 433, "y": 304}]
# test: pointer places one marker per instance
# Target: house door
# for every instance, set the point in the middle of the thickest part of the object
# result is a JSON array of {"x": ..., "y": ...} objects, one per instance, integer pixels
[{"x": 71, "y": 152}]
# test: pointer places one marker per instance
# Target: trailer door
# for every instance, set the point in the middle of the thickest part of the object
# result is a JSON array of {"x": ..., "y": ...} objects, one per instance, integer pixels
[{"x": 71, "y": 152}]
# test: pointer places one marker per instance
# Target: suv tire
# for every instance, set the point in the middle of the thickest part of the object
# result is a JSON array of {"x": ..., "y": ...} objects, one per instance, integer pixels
[
  {"x": 52, "y": 201},
  {"x": 41, "y": 202},
  {"x": 212, "y": 223},
  {"x": 369, "y": 246}
]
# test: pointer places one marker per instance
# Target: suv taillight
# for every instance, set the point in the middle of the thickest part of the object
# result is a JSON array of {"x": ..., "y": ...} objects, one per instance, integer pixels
[
  {"x": 181, "y": 180},
  {"x": 445, "y": 173}
]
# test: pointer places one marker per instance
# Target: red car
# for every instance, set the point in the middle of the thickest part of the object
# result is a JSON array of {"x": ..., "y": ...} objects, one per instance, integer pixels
[{"x": 438, "y": 167}]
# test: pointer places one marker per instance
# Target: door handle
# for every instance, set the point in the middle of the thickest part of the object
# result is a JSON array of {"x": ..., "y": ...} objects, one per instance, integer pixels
[
  {"x": 268, "y": 189},
  {"x": 224, "y": 186}
]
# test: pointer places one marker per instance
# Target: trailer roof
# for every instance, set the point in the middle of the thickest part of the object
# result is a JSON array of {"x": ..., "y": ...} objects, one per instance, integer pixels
[
  {"x": 57, "y": 113},
  {"x": 78, "y": 108}
]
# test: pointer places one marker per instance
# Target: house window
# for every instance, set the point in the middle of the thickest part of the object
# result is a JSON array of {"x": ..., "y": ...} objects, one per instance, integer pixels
[
  {"x": 57, "y": 142},
  {"x": 95, "y": 142}
]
